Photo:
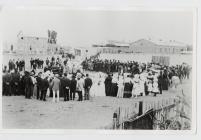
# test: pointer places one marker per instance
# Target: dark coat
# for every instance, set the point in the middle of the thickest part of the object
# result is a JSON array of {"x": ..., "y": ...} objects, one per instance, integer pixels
[
  {"x": 65, "y": 82},
  {"x": 108, "y": 85},
  {"x": 39, "y": 80},
  {"x": 73, "y": 85},
  {"x": 44, "y": 84},
  {"x": 87, "y": 82}
]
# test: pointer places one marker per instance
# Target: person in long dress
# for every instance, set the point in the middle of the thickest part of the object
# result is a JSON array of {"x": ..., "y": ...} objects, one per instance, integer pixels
[
  {"x": 108, "y": 85},
  {"x": 155, "y": 86},
  {"x": 143, "y": 78},
  {"x": 128, "y": 87},
  {"x": 100, "y": 86},
  {"x": 120, "y": 87},
  {"x": 114, "y": 88},
  {"x": 150, "y": 86},
  {"x": 136, "y": 87}
]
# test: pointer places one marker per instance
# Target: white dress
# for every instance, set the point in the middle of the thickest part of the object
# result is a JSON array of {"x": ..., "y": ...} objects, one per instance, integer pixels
[
  {"x": 155, "y": 87},
  {"x": 135, "y": 90},
  {"x": 120, "y": 88},
  {"x": 100, "y": 87},
  {"x": 150, "y": 87},
  {"x": 141, "y": 87}
]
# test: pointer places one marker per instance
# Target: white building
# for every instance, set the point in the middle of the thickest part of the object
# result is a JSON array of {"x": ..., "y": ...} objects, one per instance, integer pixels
[
  {"x": 144, "y": 46},
  {"x": 35, "y": 45}
]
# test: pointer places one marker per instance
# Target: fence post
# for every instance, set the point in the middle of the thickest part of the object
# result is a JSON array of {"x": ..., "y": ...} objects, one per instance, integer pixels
[
  {"x": 140, "y": 108},
  {"x": 115, "y": 121}
]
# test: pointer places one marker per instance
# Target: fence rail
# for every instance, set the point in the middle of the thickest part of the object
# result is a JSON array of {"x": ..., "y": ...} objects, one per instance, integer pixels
[{"x": 151, "y": 119}]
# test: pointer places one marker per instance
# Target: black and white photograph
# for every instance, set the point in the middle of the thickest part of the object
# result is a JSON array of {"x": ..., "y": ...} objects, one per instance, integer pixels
[{"x": 98, "y": 69}]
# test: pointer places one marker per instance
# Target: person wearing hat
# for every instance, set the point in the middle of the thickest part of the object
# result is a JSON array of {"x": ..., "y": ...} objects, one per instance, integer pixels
[
  {"x": 73, "y": 84},
  {"x": 28, "y": 83},
  {"x": 108, "y": 85},
  {"x": 7, "y": 83},
  {"x": 15, "y": 82},
  {"x": 33, "y": 82},
  {"x": 155, "y": 89},
  {"x": 38, "y": 82},
  {"x": 80, "y": 87},
  {"x": 160, "y": 81},
  {"x": 87, "y": 87},
  {"x": 55, "y": 87},
  {"x": 65, "y": 85},
  {"x": 44, "y": 87},
  {"x": 149, "y": 83}
]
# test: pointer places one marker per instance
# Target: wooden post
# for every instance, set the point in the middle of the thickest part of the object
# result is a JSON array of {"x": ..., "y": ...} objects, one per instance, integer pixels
[{"x": 115, "y": 121}]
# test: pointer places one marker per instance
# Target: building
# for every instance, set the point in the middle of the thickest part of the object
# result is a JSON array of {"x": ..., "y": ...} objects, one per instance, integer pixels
[
  {"x": 35, "y": 45},
  {"x": 113, "y": 47},
  {"x": 85, "y": 52},
  {"x": 157, "y": 46},
  {"x": 144, "y": 46}
]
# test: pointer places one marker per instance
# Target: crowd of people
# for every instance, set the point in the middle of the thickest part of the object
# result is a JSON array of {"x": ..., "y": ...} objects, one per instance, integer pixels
[
  {"x": 12, "y": 64},
  {"x": 46, "y": 84},
  {"x": 133, "y": 79},
  {"x": 56, "y": 79},
  {"x": 133, "y": 67},
  {"x": 59, "y": 78},
  {"x": 36, "y": 63}
]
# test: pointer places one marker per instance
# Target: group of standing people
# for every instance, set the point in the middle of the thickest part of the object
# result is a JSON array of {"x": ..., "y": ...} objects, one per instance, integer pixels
[
  {"x": 153, "y": 80},
  {"x": 56, "y": 85},
  {"x": 36, "y": 63},
  {"x": 124, "y": 80},
  {"x": 12, "y": 65}
]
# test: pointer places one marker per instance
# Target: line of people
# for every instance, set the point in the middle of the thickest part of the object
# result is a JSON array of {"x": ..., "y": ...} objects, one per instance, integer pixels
[
  {"x": 36, "y": 63},
  {"x": 133, "y": 67},
  {"x": 12, "y": 65}
]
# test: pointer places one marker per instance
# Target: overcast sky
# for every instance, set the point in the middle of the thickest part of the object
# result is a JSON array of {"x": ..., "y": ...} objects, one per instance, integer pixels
[{"x": 87, "y": 27}]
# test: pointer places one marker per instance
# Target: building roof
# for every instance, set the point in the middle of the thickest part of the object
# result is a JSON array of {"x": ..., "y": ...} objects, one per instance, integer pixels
[
  {"x": 33, "y": 37},
  {"x": 168, "y": 43},
  {"x": 160, "y": 42},
  {"x": 117, "y": 43}
]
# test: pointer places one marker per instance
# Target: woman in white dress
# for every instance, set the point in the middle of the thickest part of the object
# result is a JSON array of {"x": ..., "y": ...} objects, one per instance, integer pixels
[
  {"x": 150, "y": 86},
  {"x": 98, "y": 87},
  {"x": 120, "y": 87},
  {"x": 135, "y": 90},
  {"x": 141, "y": 87},
  {"x": 155, "y": 86}
]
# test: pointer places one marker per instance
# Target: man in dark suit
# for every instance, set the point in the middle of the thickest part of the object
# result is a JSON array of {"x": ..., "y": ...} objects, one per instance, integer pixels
[
  {"x": 44, "y": 87},
  {"x": 15, "y": 82},
  {"x": 65, "y": 85},
  {"x": 108, "y": 85},
  {"x": 7, "y": 84},
  {"x": 38, "y": 80},
  {"x": 73, "y": 84},
  {"x": 87, "y": 87},
  {"x": 28, "y": 83}
]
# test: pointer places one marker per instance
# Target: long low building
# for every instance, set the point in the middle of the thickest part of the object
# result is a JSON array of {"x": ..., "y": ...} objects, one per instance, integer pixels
[{"x": 145, "y": 46}]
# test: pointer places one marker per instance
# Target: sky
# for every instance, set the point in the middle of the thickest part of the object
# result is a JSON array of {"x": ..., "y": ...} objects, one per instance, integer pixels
[{"x": 82, "y": 28}]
